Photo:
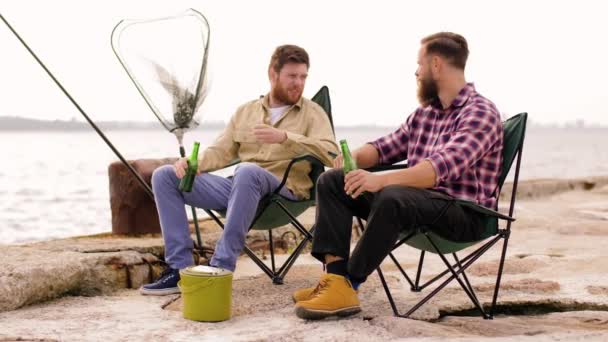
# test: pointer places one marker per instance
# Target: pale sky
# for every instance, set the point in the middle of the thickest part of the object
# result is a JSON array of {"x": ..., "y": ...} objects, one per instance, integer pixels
[{"x": 548, "y": 58}]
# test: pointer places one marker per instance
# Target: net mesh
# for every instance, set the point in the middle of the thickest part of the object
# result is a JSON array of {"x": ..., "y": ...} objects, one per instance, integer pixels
[{"x": 166, "y": 58}]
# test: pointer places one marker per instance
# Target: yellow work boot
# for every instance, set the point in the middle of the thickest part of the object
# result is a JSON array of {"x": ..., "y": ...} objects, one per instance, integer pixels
[
  {"x": 334, "y": 296},
  {"x": 304, "y": 294}
]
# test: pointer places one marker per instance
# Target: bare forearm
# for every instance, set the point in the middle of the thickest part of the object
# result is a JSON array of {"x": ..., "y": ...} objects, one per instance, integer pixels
[
  {"x": 420, "y": 176},
  {"x": 367, "y": 156}
]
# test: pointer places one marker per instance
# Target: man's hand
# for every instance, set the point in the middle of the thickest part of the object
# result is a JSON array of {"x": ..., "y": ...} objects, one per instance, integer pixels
[
  {"x": 358, "y": 181},
  {"x": 181, "y": 167},
  {"x": 269, "y": 135},
  {"x": 339, "y": 160}
]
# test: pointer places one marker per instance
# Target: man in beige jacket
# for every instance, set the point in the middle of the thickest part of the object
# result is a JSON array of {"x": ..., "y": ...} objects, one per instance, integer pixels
[{"x": 265, "y": 134}]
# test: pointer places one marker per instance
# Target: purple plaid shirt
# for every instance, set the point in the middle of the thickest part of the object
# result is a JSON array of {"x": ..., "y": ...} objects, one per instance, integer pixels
[{"x": 463, "y": 143}]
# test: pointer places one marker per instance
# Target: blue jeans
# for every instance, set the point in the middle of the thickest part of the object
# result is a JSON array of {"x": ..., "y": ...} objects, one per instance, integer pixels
[{"x": 238, "y": 195}]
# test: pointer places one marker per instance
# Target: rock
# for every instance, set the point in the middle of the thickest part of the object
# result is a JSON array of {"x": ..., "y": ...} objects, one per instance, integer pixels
[
  {"x": 514, "y": 266},
  {"x": 536, "y": 188},
  {"x": 133, "y": 210},
  {"x": 598, "y": 290},
  {"x": 43, "y": 271},
  {"x": 523, "y": 285}
]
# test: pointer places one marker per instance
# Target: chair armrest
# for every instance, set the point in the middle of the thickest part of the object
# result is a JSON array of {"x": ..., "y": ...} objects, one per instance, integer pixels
[
  {"x": 379, "y": 168},
  {"x": 232, "y": 163},
  {"x": 308, "y": 157},
  {"x": 483, "y": 210},
  {"x": 467, "y": 204}
]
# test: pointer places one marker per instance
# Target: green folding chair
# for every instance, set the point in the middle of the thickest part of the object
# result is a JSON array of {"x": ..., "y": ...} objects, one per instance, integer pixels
[
  {"x": 427, "y": 241},
  {"x": 275, "y": 211}
]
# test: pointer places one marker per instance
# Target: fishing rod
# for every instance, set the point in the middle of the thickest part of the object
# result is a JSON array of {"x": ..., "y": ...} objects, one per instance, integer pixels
[{"x": 141, "y": 181}]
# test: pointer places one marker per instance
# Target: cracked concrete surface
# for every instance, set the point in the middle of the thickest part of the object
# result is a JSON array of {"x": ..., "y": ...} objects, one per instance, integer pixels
[{"x": 555, "y": 288}]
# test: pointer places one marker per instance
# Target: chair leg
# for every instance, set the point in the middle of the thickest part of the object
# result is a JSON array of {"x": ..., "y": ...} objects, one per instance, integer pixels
[
  {"x": 440, "y": 275},
  {"x": 387, "y": 291},
  {"x": 271, "y": 250},
  {"x": 278, "y": 275},
  {"x": 464, "y": 276},
  {"x": 499, "y": 273},
  {"x": 258, "y": 262},
  {"x": 412, "y": 287},
  {"x": 471, "y": 294},
  {"x": 390, "y": 254},
  {"x": 292, "y": 258},
  {"x": 417, "y": 287},
  {"x": 465, "y": 263},
  {"x": 274, "y": 274}
]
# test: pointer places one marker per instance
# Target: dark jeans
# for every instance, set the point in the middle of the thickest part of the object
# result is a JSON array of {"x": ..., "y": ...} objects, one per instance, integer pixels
[{"x": 389, "y": 212}]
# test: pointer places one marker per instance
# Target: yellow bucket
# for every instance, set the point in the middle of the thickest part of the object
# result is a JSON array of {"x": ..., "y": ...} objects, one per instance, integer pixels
[{"x": 206, "y": 293}]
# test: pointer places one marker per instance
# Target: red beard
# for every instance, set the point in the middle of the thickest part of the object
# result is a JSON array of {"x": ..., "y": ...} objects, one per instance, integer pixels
[
  {"x": 427, "y": 91},
  {"x": 287, "y": 96}
]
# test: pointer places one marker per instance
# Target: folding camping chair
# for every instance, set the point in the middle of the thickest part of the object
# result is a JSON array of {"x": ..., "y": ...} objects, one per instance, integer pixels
[
  {"x": 427, "y": 241},
  {"x": 275, "y": 211}
]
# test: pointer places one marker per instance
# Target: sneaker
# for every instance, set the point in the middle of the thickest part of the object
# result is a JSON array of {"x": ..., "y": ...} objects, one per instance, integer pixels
[
  {"x": 335, "y": 297},
  {"x": 165, "y": 285}
]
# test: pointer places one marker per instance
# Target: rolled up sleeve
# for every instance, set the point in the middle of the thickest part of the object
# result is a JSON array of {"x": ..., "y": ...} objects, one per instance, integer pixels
[{"x": 393, "y": 147}]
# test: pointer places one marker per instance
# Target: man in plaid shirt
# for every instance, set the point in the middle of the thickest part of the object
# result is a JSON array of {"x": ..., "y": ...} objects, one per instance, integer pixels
[{"x": 453, "y": 145}]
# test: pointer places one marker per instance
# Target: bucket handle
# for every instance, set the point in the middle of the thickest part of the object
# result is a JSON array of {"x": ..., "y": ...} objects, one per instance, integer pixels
[{"x": 194, "y": 288}]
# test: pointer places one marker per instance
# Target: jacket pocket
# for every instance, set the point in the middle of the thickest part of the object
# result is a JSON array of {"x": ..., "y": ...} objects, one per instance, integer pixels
[{"x": 244, "y": 136}]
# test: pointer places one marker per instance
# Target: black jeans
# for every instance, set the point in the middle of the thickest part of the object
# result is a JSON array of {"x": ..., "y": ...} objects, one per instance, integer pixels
[{"x": 388, "y": 212}]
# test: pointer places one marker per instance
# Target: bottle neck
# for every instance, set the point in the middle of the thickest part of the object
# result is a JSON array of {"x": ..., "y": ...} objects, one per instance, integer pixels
[
  {"x": 344, "y": 147},
  {"x": 194, "y": 155}
]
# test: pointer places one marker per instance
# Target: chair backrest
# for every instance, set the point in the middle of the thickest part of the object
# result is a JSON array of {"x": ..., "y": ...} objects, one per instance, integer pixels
[
  {"x": 322, "y": 99},
  {"x": 514, "y": 132},
  {"x": 513, "y": 144}
]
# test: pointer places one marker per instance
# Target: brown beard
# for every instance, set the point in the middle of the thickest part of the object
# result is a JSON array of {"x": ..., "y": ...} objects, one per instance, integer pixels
[
  {"x": 279, "y": 93},
  {"x": 427, "y": 91}
]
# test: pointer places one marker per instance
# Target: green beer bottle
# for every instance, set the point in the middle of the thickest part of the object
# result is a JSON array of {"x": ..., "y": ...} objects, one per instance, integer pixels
[
  {"x": 187, "y": 181},
  {"x": 348, "y": 163}
]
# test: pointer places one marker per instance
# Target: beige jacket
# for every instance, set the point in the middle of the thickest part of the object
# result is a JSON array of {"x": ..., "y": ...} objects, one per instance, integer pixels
[{"x": 308, "y": 132}]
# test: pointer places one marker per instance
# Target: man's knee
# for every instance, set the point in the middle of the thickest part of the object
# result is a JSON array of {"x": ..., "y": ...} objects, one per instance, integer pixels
[
  {"x": 394, "y": 198},
  {"x": 248, "y": 172},
  {"x": 331, "y": 179},
  {"x": 163, "y": 175}
]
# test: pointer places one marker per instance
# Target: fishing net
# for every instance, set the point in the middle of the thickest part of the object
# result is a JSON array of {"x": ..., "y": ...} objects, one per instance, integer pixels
[{"x": 166, "y": 58}]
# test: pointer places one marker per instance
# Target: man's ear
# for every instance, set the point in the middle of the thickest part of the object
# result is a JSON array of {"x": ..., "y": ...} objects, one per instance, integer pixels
[
  {"x": 272, "y": 74},
  {"x": 436, "y": 65}
]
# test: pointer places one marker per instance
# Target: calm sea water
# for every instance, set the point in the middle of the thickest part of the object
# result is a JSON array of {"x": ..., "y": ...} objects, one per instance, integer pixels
[{"x": 55, "y": 184}]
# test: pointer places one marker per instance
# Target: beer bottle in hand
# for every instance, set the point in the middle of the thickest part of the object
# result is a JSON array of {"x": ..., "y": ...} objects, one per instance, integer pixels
[
  {"x": 187, "y": 181},
  {"x": 349, "y": 163}
]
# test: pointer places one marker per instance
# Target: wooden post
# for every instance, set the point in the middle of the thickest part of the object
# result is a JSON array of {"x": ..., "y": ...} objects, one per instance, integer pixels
[{"x": 133, "y": 210}]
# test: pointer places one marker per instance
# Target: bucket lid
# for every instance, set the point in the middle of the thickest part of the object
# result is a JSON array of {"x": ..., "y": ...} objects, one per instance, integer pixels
[{"x": 205, "y": 271}]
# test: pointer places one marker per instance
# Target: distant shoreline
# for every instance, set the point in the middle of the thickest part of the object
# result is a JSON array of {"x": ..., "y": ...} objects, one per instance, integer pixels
[
  {"x": 13, "y": 123},
  {"x": 19, "y": 124}
]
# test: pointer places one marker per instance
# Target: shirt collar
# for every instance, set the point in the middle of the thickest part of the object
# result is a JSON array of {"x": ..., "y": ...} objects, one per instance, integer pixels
[
  {"x": 463, "y": 96},
  {"x": 266, "y": 102}
]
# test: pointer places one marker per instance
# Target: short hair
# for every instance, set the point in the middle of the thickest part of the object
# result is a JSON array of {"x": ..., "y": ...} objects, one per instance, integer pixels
[
  {"x": 451, "y": 46},
  {"x": 288, "y": 54}
]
